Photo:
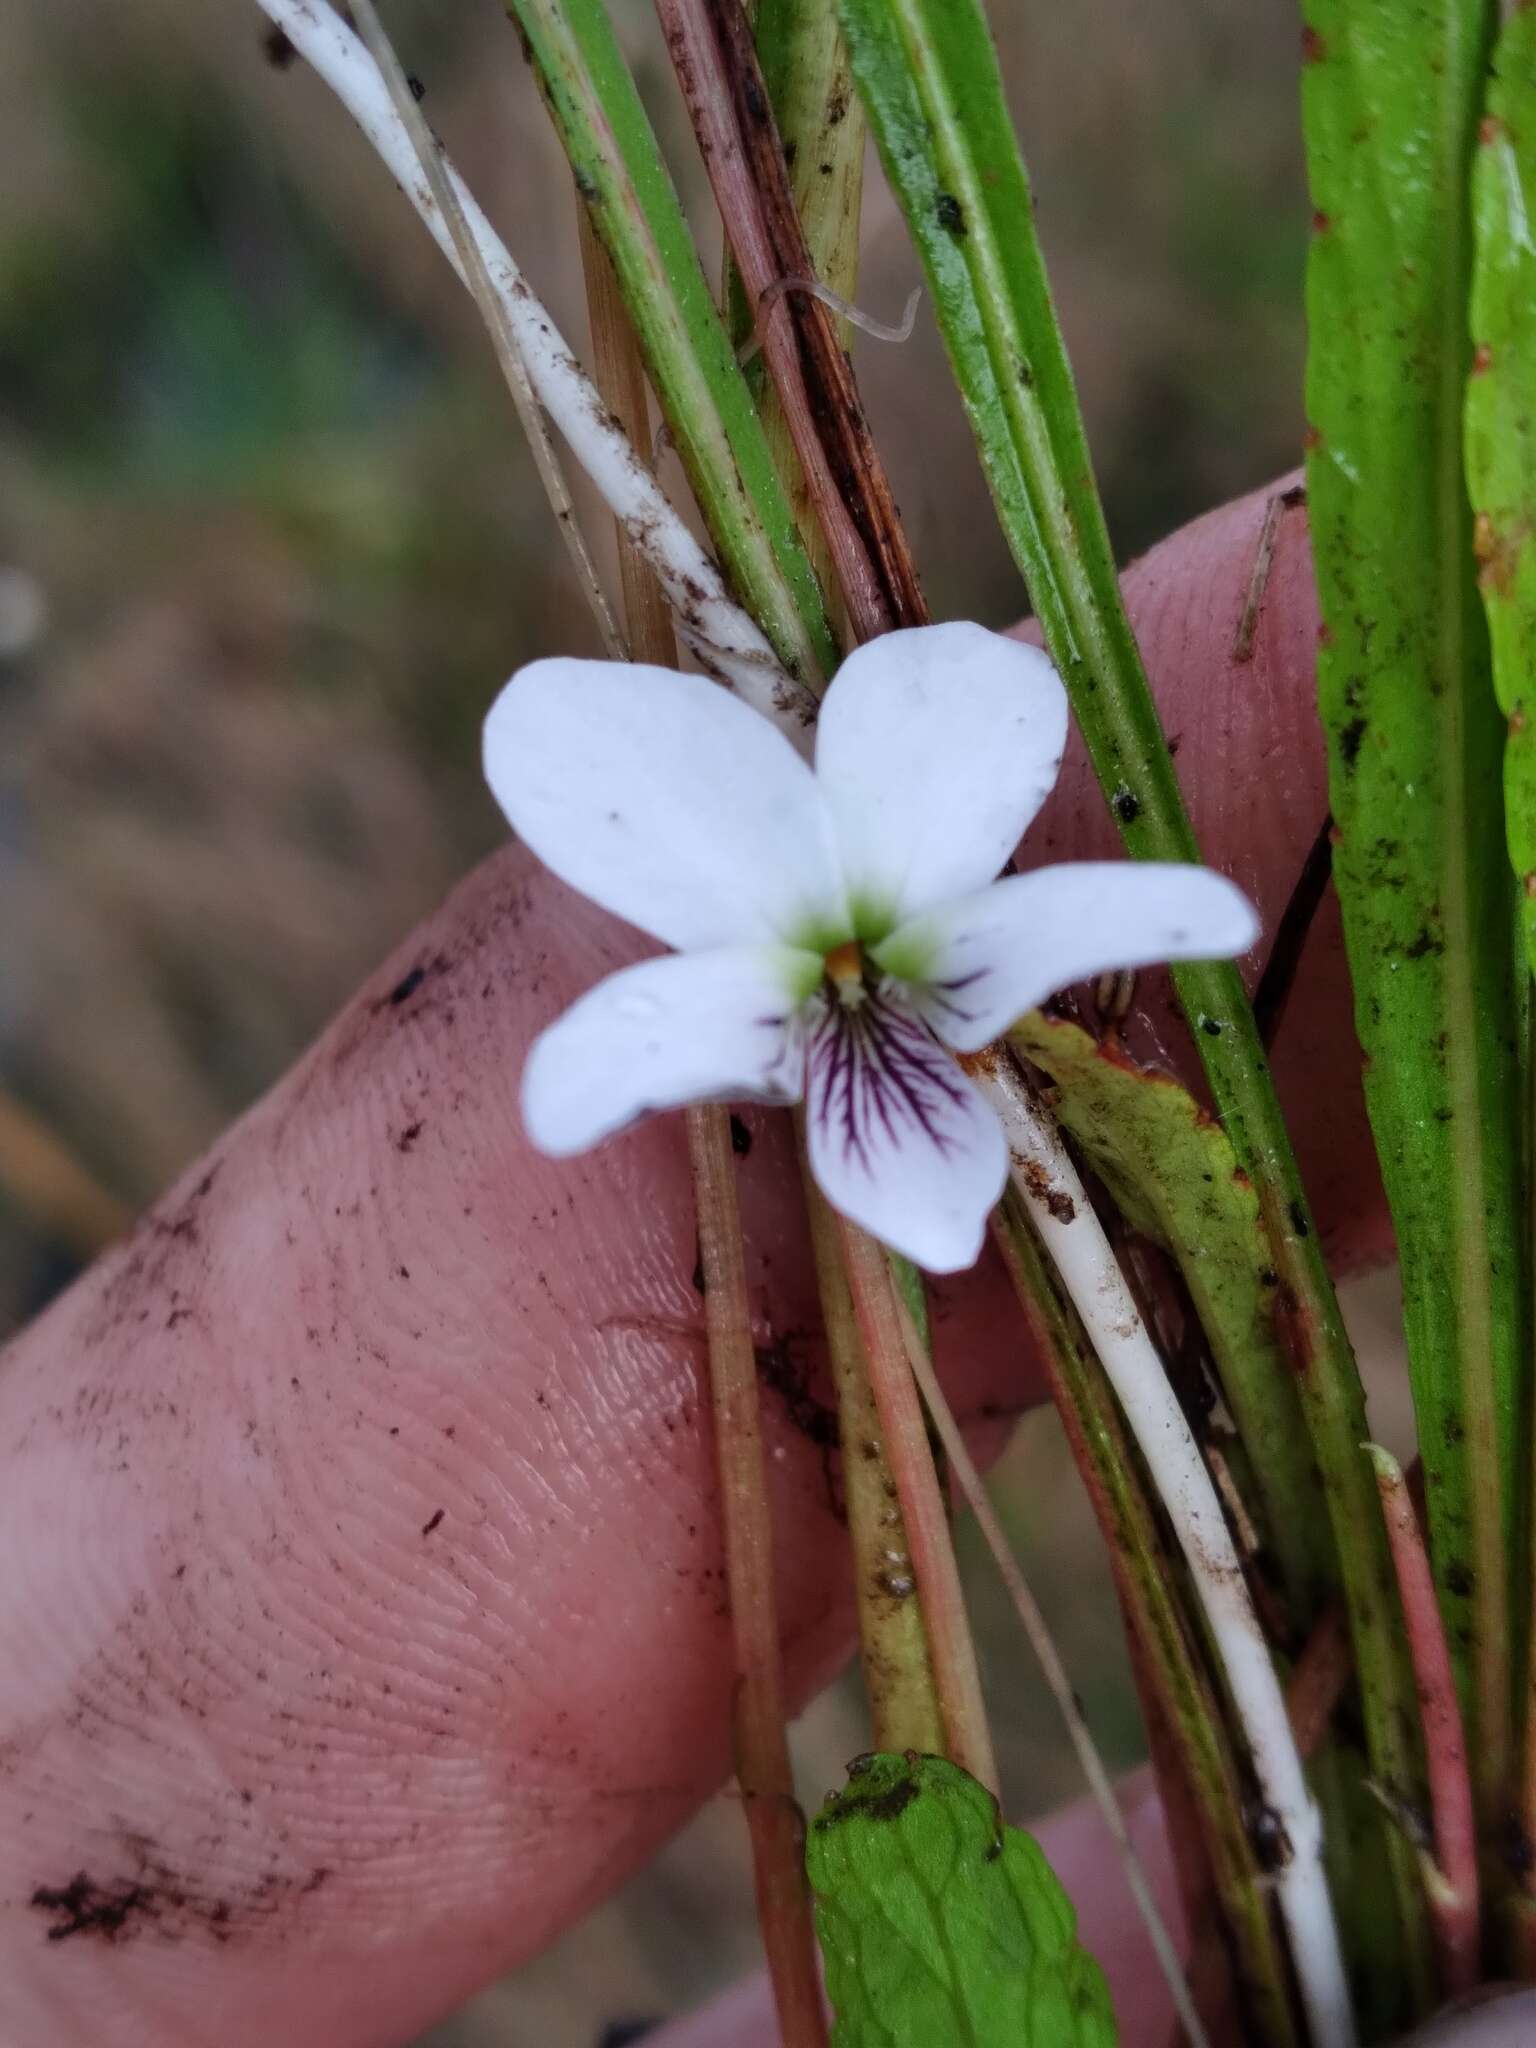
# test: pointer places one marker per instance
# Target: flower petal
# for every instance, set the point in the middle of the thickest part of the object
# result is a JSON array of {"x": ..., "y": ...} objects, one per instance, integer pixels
[
  {"x": 899, "y": 1140},
  {"x": 690, "y": 1027},
  {"x": 935, "y": 748},
  {"x": 666, "y": 800},
  {"x": 976, "y": 965}
]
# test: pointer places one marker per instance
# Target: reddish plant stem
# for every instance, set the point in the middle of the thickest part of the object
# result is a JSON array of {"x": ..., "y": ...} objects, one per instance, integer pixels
[
  {"x": 710, "y": 43},
  {"x": 762, "y": 1751},
  {"x": 775, "y": 1825},
  {"x": 904, "y": 1429},
  {"x": 1453, "y": 1893}
]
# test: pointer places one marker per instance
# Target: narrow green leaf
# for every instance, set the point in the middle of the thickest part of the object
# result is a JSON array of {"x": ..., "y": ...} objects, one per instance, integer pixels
[
  {"x": 1390, "y": 101},
  {"x": 1175, "y": 1177},
  {"x": 1501, "y": 424},
  {"x": 928, "y": 75},
  {"x": 939, "y": 1924},
  {"x": 620, "y": 174}
]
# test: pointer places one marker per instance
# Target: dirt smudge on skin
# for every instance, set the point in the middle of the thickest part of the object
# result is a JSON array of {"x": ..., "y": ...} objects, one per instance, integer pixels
[{"x": 141, "y": 1893}]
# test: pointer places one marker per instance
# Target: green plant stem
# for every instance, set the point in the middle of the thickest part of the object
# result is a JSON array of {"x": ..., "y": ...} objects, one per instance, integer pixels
[
  {"x": 1147, "y": 1579},
  {"x": 928, "y": 75},
  {"x": 893, "y": 1643},
  {"x": 873, "y": 1289},
  {"x": 622, "y": 178}
]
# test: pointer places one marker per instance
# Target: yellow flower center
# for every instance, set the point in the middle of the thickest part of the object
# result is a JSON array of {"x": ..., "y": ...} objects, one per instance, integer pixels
[{"x": 845, "y": 971}]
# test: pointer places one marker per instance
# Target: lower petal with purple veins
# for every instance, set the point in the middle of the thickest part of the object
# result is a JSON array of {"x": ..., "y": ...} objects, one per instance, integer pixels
[{"x": 900, "y": 1142}]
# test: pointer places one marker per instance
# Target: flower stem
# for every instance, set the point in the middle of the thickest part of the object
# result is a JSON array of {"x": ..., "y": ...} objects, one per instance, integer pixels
[
  {"x": 763, "y": 1769},
  {"x": 877, "y": 1307},
  {"x": 762, "y": 1752},
  {"x": 1064, "y": 1219},
  {"x": 893, "y": 1643},
  {"x": 1453, "y": 1895}
]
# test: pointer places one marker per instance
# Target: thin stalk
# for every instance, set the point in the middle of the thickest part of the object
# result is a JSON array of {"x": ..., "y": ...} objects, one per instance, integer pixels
[
  {"x": 1055, "y": 1673},
  {"x": 721, "y": 635},
  {"x": 509, "y": 355},
  {"x": 717, "y": 69},
  {"x": 774, "y": 1821},
  {"x": 1171, "y": 1661},
  {"x": 762, "y": 1751},
  {"x": 1453, "y": 1900},
  {"x": 52, "y": 1189},
  {"x": 1063, "y": 1217},
  {"x": 877, "y": 1306},
  {"x": 893, "y": 1643}
]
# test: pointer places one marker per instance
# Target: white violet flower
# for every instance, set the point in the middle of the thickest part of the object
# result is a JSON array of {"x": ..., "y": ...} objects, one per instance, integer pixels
[{"x": 835, "y": 928}]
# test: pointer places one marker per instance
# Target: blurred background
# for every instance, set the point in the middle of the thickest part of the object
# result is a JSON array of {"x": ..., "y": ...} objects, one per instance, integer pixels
[{"x": 269, "y": 539}]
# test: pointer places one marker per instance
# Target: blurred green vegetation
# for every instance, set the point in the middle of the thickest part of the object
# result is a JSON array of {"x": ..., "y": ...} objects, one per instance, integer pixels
[{"x": 268, "y": 542}]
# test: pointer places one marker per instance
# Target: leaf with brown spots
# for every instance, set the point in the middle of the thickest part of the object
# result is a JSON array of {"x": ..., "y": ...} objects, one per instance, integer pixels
[{"x": 1174, "y": 1177}]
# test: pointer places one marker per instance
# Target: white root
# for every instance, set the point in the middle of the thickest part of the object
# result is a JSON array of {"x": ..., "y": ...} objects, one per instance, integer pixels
[
  {"x": 1043, "y": 1173},
  {"x": 716, "y": 629}
]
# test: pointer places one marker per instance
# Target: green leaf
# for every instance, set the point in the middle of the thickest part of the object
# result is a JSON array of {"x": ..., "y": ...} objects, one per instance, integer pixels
[
  {"x": 1391, "y": 98},
  {"x": 1501, "y": 425},
  {"x": 939, "y": 1924},
  {"x": 620, "y": 174},
  {"x": 1175, "y": 1177}
]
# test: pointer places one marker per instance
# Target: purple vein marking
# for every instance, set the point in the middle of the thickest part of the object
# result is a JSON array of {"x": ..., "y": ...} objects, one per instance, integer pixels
[
  {"x": 940, "y": 994},
  {"x": 878, "y": 1068}
]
